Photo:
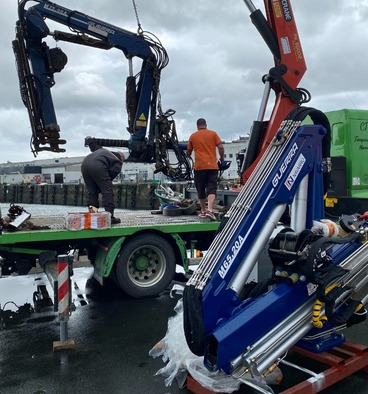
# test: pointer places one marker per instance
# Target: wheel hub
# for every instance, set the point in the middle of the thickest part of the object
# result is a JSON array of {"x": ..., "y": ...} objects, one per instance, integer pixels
[{"x": 141, "y": 263}]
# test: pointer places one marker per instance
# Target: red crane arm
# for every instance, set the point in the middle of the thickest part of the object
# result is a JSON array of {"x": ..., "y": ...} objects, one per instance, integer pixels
[{"x": 281, "y": 35}]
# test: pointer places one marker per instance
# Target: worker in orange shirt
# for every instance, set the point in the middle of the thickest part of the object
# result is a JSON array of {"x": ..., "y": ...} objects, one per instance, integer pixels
[{"x": 205, "y": 143}]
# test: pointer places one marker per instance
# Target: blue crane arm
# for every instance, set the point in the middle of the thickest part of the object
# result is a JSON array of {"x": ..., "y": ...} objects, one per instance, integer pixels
[
  {"x": 152, "y": 131},
  {"x": 132, "y": 44},
  {"x": 37, "y": 64},
  {"x": 225, "y": 317}
]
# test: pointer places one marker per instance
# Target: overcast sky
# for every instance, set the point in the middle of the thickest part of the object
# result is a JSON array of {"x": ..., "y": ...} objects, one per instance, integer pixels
[{"x": 217, "y": 60}]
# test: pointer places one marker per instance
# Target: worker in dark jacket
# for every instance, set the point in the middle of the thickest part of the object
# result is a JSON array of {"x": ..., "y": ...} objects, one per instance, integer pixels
[{"x": 99, "y": 168}]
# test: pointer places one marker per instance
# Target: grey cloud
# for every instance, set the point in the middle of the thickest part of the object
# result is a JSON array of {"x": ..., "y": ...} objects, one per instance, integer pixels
[{"x": 217, "y": 59}]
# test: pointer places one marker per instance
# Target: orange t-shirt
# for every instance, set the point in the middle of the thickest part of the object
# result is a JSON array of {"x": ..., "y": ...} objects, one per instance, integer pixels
[{"x": 204, "y": 143}]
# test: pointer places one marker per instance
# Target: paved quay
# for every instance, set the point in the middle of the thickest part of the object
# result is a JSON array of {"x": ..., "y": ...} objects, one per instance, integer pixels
[{"x": 113, "y": 335}]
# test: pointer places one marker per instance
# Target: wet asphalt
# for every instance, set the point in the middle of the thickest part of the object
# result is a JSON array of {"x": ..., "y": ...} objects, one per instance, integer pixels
[{"x": 113, "y": 335}]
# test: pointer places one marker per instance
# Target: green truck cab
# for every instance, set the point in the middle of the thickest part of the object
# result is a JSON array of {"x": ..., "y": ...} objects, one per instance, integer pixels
[{"x": 349, "y": 148}]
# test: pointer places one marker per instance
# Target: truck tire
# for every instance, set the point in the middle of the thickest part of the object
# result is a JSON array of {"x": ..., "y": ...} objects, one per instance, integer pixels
[{"x": 145, "y": 266}]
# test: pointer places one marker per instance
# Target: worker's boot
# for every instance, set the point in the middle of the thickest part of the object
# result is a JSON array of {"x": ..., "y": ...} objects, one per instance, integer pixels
[{"x": 114, "y": 220}]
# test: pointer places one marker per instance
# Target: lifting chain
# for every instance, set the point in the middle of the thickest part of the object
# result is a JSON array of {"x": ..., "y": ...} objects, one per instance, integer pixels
[{"x": 139, "y": 30}]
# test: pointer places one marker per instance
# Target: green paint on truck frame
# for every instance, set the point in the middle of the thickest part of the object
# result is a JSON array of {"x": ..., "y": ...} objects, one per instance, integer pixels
[
  {"x": 106, "y": 255},
  {"x": 183, "y": 251},
  {"x": 349, "y": 140},
  {"x": 105, "y": 244}
]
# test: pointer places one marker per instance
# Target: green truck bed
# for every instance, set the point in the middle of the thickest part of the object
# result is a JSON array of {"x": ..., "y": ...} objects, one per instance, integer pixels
[
  {"x": 140, "y": 254},
  {"x": 131, "y": 222}
]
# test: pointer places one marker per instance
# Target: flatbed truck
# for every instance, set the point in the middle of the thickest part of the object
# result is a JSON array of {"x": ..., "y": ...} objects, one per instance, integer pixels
[{"x": 140, "y": 255}]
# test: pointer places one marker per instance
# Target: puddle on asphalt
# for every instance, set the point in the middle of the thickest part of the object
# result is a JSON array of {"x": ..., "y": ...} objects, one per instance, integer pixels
[{"x": 30, "y": 298}]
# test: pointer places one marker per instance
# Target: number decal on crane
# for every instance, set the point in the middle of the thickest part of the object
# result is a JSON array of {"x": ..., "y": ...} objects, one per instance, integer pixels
[{"x": 225, "y": 266}]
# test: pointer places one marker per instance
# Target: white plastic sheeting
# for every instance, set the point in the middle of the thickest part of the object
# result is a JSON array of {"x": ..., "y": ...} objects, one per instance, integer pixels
[{"x": 180, "y": 361}]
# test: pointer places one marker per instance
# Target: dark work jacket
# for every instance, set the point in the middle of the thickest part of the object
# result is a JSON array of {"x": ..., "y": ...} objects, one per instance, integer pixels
[{"x": 103, "y": 158}]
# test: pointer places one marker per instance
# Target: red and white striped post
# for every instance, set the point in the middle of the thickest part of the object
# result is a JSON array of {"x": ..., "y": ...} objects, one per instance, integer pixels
[
  {"x": 64, "y": 301},
  {"x": 63, "y": 288}
]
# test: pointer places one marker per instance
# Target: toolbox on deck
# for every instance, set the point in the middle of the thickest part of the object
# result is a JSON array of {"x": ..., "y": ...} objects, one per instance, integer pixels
[{"x": 88, "y": 221}]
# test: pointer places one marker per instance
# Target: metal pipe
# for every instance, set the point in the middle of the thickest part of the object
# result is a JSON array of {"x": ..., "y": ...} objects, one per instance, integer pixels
[
  {"x": 365, "y": 299},
  {"x": 130, "y": 65},
  {"x": 264, "y": 101},
  {"x": 256, "y": 387},
  {"x": 305, "y": 370},
  {"x": 63, "y": 331},
  {"x": 298, "y": 209},
  {"x": 250, "y": 5},
  {"x": 275, "y": 343},
  {"x": 360, "y": 255},
  {"x": 251, "y": 258},
  {"x": 280, "y": 347},
  {"x": 284, "y": 335}
]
